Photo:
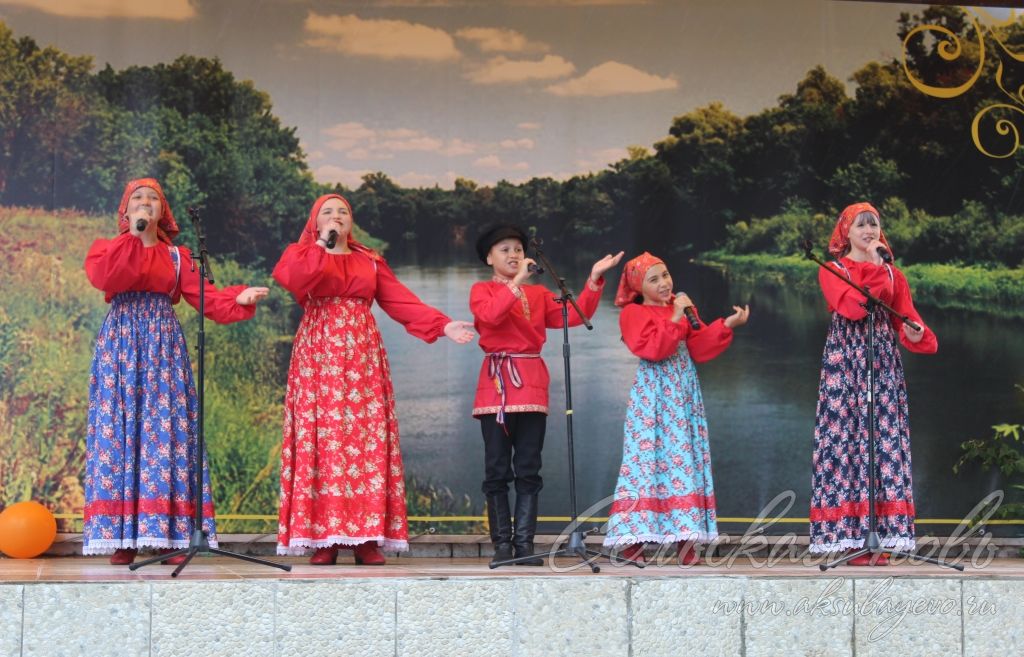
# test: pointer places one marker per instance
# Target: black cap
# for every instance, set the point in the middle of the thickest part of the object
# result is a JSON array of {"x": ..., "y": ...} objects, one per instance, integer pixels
[{"x": 495, "y": 234}]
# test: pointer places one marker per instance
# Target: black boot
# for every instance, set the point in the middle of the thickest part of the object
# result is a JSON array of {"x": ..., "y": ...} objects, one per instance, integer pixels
[
  {"x": 499, "y": 517},
  {"x": 526, "y": 527}
]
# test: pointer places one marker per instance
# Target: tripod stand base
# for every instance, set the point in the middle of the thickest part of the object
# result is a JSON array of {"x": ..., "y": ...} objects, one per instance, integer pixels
[
  {"x": 576, "y": 547},
  {"x": 861, "y": 552},
  {"x": 199, "y": 543}
]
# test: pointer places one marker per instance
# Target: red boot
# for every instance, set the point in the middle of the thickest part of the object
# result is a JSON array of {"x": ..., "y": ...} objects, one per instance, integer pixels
[
  {"x": 687, "y": 554},
  {"x": 634, "y": 552},
  {"x": 173, "y": 561},
  {"x": 123, "y": 556},
  {"x": 368, "y": 554},
  {"x": 325, "y": 556}
]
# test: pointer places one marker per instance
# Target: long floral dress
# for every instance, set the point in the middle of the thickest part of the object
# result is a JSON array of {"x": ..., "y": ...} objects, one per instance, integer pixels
[
  {"x": 141, "y": 435},
  {"x": 665, "y": 491},
  {"x": 839, "y": 497},
  {"x": 342, "y": 479}
]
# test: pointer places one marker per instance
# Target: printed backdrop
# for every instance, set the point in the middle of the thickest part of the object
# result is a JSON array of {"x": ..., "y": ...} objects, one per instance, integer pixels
[{"x": 719, "y": 136}]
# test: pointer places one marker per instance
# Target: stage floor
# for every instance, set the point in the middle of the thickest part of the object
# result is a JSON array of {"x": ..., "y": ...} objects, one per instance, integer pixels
[
  {"x": 428, "y": 606},
  {"x": 97, "y": 569}
]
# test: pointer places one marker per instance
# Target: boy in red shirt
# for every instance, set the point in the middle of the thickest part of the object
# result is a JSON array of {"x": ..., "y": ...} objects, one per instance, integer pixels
[{"x": 511, "y": 401}]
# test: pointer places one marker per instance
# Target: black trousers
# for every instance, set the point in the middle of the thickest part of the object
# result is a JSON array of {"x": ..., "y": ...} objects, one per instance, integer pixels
[{"x": 514, "y": 456}]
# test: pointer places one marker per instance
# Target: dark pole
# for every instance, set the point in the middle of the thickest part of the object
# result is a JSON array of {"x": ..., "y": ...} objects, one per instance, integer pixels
[
  {"x": 199, "y": 541},
  {"x": 872, "y": 544}
]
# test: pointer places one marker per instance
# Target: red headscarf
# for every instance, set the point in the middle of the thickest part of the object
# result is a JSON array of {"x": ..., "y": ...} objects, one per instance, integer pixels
[
  {"x": 632, "y": 282},
  {"x": 840, "y": 242},
  {"x": 310, "y": 233},
  {"x": 167, "y": 228}
]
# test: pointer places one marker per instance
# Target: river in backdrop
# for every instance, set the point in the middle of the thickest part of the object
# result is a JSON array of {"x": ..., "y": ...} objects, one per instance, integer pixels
[{"x": 760, "y": 397}]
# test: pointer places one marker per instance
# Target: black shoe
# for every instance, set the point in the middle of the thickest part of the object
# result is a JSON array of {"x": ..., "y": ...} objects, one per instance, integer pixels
[
  {"x": 502, "y": 552},
  {"x": 525, "y": 528}
]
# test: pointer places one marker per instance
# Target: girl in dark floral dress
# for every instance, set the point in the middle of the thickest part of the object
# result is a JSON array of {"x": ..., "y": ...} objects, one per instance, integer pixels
[{"x": 839, "y": 499}]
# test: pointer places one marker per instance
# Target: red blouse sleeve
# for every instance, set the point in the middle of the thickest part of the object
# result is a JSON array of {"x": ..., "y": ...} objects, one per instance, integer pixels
[
  {"x": 218, "y": 305},
  {"x": 649, "y": 335},
  {"x": 710, "y": 341},
  {"x": 115, "y": 265},
  {"x": 490, "y": 304},
  {"x": 419, "y": 319},
  {"x": 903, "y": 304},
  {"x": 300, "y": 268},
  {"x": 845, "y": 300},
  {"x": 587, "y": 300}
]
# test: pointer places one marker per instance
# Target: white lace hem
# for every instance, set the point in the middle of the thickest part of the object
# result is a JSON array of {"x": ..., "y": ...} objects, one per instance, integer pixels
[
  {"x": 901, "y": 543},
  {"x": 301, "y": 546},
  {"x": 108, "y": 546},
  {"x": 663, "y": 539}
]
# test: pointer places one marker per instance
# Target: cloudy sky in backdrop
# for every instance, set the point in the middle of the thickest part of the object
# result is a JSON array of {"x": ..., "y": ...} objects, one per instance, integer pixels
[{"x": 427, "y": 91}]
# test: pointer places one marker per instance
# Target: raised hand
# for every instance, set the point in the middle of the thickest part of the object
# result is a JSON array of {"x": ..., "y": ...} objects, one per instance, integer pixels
[
  {"x": 250, "y": 295},
  {"x": 912, "y": 334},
  {"x": 604, "y": 264},
  {"x": 738, "y": 318},
  {"x": 459, "y": 331},
  {"x": 524, "y": 271}
]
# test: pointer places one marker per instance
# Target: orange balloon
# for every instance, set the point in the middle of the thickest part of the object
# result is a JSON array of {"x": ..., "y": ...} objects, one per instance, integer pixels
[{"x": 27, "y": 529}]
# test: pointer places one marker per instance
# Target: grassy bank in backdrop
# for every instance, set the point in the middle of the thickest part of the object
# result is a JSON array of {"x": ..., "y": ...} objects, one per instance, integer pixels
[
  {"x": 994, "y": 290},
  {"x": 50, "y": 316}
]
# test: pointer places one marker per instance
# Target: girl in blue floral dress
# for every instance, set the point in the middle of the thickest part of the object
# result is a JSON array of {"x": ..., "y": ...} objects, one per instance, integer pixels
[
  {"x": 142, "y": 425},
  {"x": 665, "y": 493}
]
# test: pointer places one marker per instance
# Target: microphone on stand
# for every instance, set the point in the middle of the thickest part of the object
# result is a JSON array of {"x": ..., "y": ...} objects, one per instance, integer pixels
[
  {"x": 332, "y": 238},
  {"x": 535, "y": 242}
]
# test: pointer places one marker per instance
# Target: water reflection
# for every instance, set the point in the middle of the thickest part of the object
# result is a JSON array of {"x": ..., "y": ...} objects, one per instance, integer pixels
[{"x": 760, "y": 397}]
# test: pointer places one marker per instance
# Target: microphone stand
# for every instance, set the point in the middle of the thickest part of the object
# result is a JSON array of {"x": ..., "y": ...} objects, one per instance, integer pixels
[
  {"x": 199, "y": 541},
  {"x": 576, "y": 545},
  {"x": 872, "y": 544}
]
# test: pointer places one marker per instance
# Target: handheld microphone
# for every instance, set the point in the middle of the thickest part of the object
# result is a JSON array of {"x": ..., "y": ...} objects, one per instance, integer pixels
[
  {"x": 534, "y": 268},
  {"x": 140, "y": 224},
  {"x": 885, "y": 255},
  {"x": 332, "y": 238},
  {"x": 691, "y": 317}
]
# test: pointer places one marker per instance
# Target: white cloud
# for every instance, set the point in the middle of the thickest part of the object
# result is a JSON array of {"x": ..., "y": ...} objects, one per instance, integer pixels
[
  {"x": 413, "y": 144},
  {"x": 347, "y": 135},
  {"x": 523, "y": 143},
  {"x": 414, "y": 179},
  {"x": 380, "y": 38},
  {"x": 529, "y": 125},
  {"x": 599, "y": 159},
  {"x": 501, "y": 69},
  {"x": 172, "y": 10},
  {"x": 458, "y": 147},
  {"x": 367, "y": 154},
  {"x": 494, "y": 39},
  {"x": 360, "y": 142},
  {"x": 612, "y": 78},
  {"x": 494, "y": 162},
  {"x": 510, "y": 3},
  {"x": 399, "y": 133},
  {"x": 330, "y": 174}
]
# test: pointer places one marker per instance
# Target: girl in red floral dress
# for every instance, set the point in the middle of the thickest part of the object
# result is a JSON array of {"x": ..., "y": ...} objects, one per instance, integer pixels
[{"x": 342, "y": 481}]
